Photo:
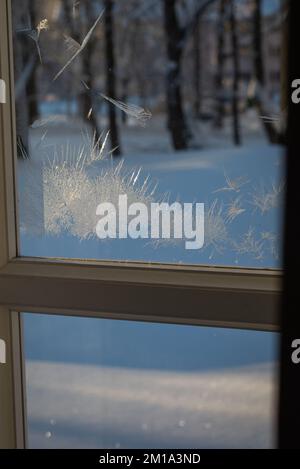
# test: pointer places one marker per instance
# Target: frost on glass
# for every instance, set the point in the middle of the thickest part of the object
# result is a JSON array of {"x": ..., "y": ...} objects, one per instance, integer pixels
[
  {"x": 169, "y": 101},
  {"x": 75, "y": 48}
]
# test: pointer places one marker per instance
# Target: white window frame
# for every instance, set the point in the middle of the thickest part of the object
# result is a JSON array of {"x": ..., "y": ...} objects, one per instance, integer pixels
[{"x": 196, "y": 295}]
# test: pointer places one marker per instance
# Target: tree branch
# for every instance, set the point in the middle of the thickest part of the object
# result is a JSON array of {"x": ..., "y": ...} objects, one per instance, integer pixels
[{"x": 24, "y": 78}]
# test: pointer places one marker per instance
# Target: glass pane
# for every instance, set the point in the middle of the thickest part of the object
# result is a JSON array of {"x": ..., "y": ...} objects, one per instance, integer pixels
[
  {"x": 94, "y": 383},
  {"x": 119, "y": 103}
]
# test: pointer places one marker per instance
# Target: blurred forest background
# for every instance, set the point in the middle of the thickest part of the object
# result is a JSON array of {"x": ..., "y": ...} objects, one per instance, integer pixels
[{"x": 188, "y": 62}]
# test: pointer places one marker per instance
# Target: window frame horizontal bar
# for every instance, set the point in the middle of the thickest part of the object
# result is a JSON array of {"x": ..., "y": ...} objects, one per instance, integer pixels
[{"x": 212, "y": 296}]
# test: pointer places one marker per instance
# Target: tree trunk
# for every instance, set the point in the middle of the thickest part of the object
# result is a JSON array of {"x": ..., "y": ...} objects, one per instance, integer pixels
[
  {"x": 220, "y": 67},
  {"x": 31, "y": 86},
  {"x": 68, "y": 18},
  {"x": 174, "y": 38},
  {"x": 87, "y": 101},
  {"x": 197, "y": 69},
  {"x": 284, "y": 82},
  {"x": 257, "y": 43},
  {"x": 124, "y": 98},
  {"x": 74, "y": 32},
  {"x": 22, "y": 115},
  {"x": 111, "y": 75},
  {"x": 259, "y": 71},
  {"x": 284, "y": 85},
  {"x": 236, "y": 75}
]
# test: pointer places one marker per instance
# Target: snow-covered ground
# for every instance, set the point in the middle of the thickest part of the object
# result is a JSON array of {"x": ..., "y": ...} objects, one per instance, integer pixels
[
  {"x": 101, "y": 383},
  {"x": 83, "y": 406},
  {"x": 122, "y": 387}
]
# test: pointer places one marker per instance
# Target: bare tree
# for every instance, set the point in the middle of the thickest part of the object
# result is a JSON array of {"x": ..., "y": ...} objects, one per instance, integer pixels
[
  {"x": 77, "y": 27},
  {"x": 259, "y": 72},
  {"x": 22, "y": 74},
  {"x": 177, "y": 31},
  {"x": 126, "y": 45},
  {"x": 31, "y": 86},
  {"x": 236, "y": 74},
  {"x": 111, "y": 74},
  {"x": 197, "y": 42},
  {"x": 284, "y": 84},
  {"x": 220, "y": 111},
  {"x": 174, "y": 36},
  {"x": 87, "y": 100},
  {"x": 69, "y": 25}
]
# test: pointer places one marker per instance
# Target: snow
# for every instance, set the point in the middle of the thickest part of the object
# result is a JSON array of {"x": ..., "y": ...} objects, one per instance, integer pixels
[
  {"x": 106, "y": 382},
  {"x": 75, "y": 406}
]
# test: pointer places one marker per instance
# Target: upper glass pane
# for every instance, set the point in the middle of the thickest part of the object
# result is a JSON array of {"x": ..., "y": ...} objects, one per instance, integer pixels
[{"x": 176, "y": 106}]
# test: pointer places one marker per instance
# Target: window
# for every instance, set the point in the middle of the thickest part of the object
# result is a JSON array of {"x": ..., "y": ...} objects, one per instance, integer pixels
[{"x": 49, "y": 263}]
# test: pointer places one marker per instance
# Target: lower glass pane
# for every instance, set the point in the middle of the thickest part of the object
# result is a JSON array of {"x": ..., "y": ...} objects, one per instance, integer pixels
[{"x": 96, "y": 383}]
